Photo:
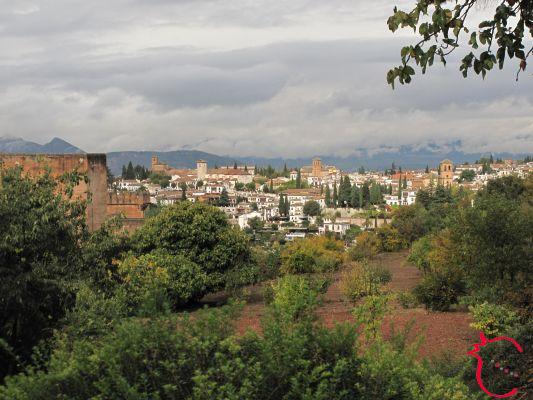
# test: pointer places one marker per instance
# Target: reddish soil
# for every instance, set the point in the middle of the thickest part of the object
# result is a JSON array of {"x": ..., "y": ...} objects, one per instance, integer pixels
[{"x": 441, "y": 331}]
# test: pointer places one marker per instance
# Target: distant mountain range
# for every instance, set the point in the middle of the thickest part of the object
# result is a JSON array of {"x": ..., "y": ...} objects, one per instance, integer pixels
[
  {"x": 11, "y": 144},
  {"x": 406, "y": 156}
]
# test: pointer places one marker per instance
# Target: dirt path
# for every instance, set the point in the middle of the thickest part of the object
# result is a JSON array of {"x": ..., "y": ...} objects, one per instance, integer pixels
[{"x": 442, "y": 331}]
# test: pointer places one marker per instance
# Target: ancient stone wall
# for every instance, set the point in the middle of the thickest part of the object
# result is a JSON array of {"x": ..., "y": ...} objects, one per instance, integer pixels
[{"x": 92, "y": 165}]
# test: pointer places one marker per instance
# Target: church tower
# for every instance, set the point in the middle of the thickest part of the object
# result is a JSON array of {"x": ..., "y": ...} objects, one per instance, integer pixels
[
  {"x": 317, "y": 167},
  {"x": 201, "y": 169},
  {"x": 445, "y": 173}
]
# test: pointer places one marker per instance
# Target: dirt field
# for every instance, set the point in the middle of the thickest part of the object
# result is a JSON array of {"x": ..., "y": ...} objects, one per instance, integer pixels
[{"x": 442, "y": 331}]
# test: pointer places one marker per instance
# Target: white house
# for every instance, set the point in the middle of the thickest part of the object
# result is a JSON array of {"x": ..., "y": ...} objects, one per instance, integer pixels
[{"x": 331, "y": 226}]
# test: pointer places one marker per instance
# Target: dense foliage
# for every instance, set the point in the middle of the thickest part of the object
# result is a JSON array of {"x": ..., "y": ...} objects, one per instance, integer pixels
[
  {"x": 40, "y": 236},
  {"x": 201, "y": 234},
  {"x": 173, "y": 356}
]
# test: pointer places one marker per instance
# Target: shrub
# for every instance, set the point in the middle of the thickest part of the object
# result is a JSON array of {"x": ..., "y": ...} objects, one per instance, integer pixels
[
  {"x": 390, "y": 239},
  {"x": 367, "y": 247},
  {"x": 439, "y": 290},
  {"x": 175, "y": 276},
  {"x": 407, "y": 300},
  {"x": 506, "y": 356},
  {"x": 493, "y": 319},
  {"x": 314, "y": 254},
  {"x": 419, "y": 253},
  {"x": 410, "y": 222},
  {"x": 363, "y": 279}
]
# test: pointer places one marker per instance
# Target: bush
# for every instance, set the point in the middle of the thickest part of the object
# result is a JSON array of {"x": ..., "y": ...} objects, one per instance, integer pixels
[
  {"x": 493, "y": 319},
  {"x": 410, "y": 222},
  {"x": 176, "y": 277},
  {"x": 407, "y": 300},
  {"x": 390, "y": 239},
  {"x": 367, "y": 247},
  {"x": 314, "y": 254},
  {"x": 363, "y": 279},
  {"x": 419, "y": 253},
  {"x": 506, "y": 356},
  {"x": 438, "y": 291}
]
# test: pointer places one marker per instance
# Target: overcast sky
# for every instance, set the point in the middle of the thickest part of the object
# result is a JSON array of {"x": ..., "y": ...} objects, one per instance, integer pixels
[{"x": 239, "y": 77}]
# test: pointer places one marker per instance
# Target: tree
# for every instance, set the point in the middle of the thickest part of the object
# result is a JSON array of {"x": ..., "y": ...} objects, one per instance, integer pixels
[
  {"x": 361, "y": 170},
  {"x": 355, "y": 195},
  {"x": 375, "y": 194},
  {"x": 41, "y": 232},
  {"x": 502, "y": 35},
  {"x": 130, "y": 172},
  {"x": 287, "y": 206},
  {"x": 366, "y": 193},
  {"x": 255, "y": 224},
  {"x": 335, "y": 196},
  {"x": 223, "y": 200},
  {"x": 467, "y": 175},
  {"x": 199, "y": 184},
  {"x": 311, "y": 208},
  {"x": 298, "y": 179},
  {"x": 202, "y": 234},
  {"x": 281, "y": 205},
  {"x": 327, "y": 196},
  {"x": 271, "y": 187},
  {"x": 183, "y": 187},
  {"x": 110, "y": 176},
  {"x": 235, "y": 165},
  {"x": 427, "y": 169},
  {"x": 250, "y": 186},
  {"x": 345, "y": 191}
]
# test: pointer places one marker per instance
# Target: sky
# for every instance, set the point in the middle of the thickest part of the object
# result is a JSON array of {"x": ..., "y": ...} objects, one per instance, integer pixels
[{"x": 264, "y": 78}]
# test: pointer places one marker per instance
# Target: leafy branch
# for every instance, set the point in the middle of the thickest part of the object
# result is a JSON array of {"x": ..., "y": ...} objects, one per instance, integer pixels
[{"x": 436, "y": 23}]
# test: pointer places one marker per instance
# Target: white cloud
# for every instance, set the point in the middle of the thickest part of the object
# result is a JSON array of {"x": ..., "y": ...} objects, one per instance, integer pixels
[{"x": 246, "y": 77}]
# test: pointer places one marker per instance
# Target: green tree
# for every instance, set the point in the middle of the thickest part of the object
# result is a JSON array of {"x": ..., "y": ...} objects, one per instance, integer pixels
[
  {"x": 335, "y": 195},
  {"x": 183, "y": 187},
  {"x": 40, "y": 237},
  {"x": 355, "y": 197},
  {"x": 250, "y": 186},
  {"x": 281, "y": 205},
  {"x": 202, "y": 234},
  {"x": 467, "y": 175},
  {"x": 311, "y": 208},
  {"x": 375, "y": 194},
  {"x": 298, "y": 179},
  {"x": 505, "y": 34},
  {"x": 223, "y": 200},
  {"x": 327, "y": 196},
  {"x": 130, "y": 172},
  {"x": 255, "y": 224},
  {"x": 345, "y": 191}
]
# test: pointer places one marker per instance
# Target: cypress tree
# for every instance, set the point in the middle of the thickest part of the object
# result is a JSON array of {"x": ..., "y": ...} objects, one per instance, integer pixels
[
  {"x": 354, "y": 198},
  {"x": 271, "y": 188},
  {"x": 124, "y": 172},
  {"x": 298, "y": 179},
  {"x": 281, "y": 205},
  {"x": 287, "y": 206},
  {"x": 328, "y": 196},
  {"x": 335, "y": 195},
  {"x": 130, "y": 172},
  {"x": 427, "y": 169}
]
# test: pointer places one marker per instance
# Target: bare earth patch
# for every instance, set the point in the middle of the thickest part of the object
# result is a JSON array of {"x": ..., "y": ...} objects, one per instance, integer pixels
[{"x": 441, "y": 331}]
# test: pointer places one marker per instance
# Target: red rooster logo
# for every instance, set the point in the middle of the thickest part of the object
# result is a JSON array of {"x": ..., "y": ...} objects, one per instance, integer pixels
[{"x": 474, "y": 353}]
